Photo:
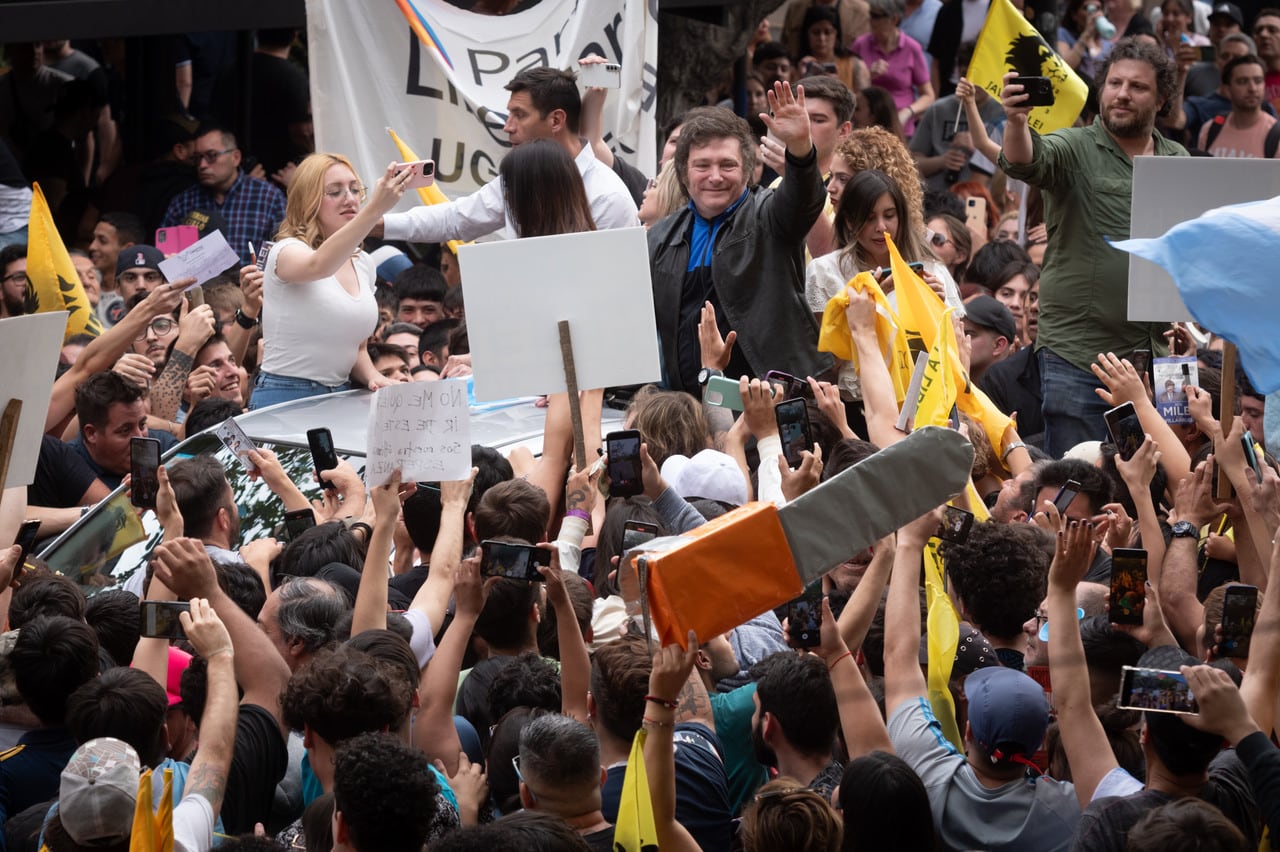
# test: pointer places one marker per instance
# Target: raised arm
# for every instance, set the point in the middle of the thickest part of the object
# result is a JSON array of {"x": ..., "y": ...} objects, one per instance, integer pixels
[
  {"x": 672, "y": 668},
  {"x": 1083, "y": 736},
  {"x": 1262, "y": 678},
  {"x": 209, "y": 770},
  {"x": 371, "y": 597},
  {"x": 151, "y": 655},
  {"x": 433, "y": 731},
  {"x": 238, "y": 336},
  {"x": 194, "y": 328},
  {"x": 575, "y": 665},
  {"x": 1194, "y": 503},
  {"x": 262, "y": 673},
  {"x": 432, "y": 599},
  {"x": 977, "y": 129},
  {"x": 860, "y": 611},
  {"x": 591, "y": 116},
  {"x": 1018, "y": 147},
  {"x": 1137, "y": 474},
  {"x": 877, "y": 388},
  {"x": 864, "y": 729},
  {"x": 106, "y": 349},
  {"x": 273, "y": 473},
  {"x": 299, "y": 264},
  {"x": 903, "y": 679}
]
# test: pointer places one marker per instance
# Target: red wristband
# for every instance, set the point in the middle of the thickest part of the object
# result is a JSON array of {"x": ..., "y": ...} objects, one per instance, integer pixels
[
  {"x": 670, "y": 705},
  {"x": 832, "y": 664}
]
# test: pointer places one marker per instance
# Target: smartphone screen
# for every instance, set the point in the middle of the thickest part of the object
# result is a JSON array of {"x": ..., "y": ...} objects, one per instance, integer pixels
[
  {"x": 26, "y": 540},
  {"x": 792, "y": 387},
  {"x": 1156, "y": 691},
  {"x": 144, "y": 462},
  {"x": 1141, "y": 361},
  {"x": 512, "y": 561},
  {"x": 1239, "y": 607},
  {"x": 1128, "y": 585},
  {"x": 955, "y": 524},
  {"x": 1125, "y": 428},
  {"x": 1065, "y": 495},
  {"x": 636, "y": 533},
  {"x": 322, "y": 452},
  {"x": 298, "y": 522},
  {"x": 804, "y": 617},
  {"x": 160, "y": 619},
  {"x": 793, "y": 429},
  {"x": 623, "y": 449}
]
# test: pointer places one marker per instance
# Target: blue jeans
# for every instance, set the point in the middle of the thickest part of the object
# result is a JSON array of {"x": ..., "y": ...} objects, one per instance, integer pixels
[
  {"x": 14, "y": 237},
  {"x": 1072, "y": 411},
  {"x": 270, "y": 389}
]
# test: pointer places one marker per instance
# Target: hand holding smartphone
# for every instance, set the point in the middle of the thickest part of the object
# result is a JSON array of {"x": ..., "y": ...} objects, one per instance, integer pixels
[
  {"x": 160, "y": 619},
  {"x": 1239, "y": 608},
  {"x": 1065, "y": 495},
  {"x": 512, "y": 561},
  {"x": 424, "y": 173},
  {"x": 1128, "y": 585},
  {"x": 1125, "y": 429},
  {"x": 804, "y": 617},
  {"x": 25, "y": 540},
  {"x": 793, "y": 429},
  {"x": 144, "y": 477},
  {"x": 625, "y": 470},
  {"x": 323, "y": 454}
]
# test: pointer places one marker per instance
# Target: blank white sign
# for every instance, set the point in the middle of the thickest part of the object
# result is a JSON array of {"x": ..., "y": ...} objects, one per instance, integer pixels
[
  {"x": 1170, "y": 190},
  {"x": 29, "y": 347},
  {"x": 518, "y": 290}
]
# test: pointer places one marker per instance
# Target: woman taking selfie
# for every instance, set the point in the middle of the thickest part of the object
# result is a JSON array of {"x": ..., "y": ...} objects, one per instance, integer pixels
[{"x": 318, "y": 304}]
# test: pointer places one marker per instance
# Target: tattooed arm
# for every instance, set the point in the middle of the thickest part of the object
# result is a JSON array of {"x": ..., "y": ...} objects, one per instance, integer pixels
[
  {"x": 195, "y": 327},
  {"x": 694, "y": 702},
  {"x": 208, "y": 775}
]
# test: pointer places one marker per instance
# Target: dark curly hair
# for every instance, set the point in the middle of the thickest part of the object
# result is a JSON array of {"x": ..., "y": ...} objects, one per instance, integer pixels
[
  {"x": 525, "y": 681},
  {"x": 342, "y": 693},
  {"x": 1001, "y": 573},
  {"x": 1141, "y": 51},
  {"x": 384, "y": 792}
]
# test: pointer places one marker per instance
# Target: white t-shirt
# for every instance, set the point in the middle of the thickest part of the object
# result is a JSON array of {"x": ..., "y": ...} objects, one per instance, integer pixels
[
  {"x": 827, "y": 275},
  {"x": 313, "y": 330}
]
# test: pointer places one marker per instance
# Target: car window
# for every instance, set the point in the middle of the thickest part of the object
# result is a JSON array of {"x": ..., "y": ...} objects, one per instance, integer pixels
[{"x": 85, "y": 554}]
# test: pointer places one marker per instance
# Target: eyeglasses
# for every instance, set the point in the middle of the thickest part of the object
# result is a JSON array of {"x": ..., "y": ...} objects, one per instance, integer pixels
[
  {"x": 1042, "y": 621},
  {"x": 17, "y": 276},
  {"x": 210, "y": 157},
  {"x": 338, "y": 193},
  {"x": 515, "y": 764},
  {"x": 160, "y": 326}
]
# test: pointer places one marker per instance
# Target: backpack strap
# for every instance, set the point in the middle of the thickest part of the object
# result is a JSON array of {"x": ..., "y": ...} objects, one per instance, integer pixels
[
  {"x": 1272, "y": 141},
  {"x": 1215, "y": 127}
]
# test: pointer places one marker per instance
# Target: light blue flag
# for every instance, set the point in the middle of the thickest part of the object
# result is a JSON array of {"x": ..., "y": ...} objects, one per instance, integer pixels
[{"x": 1224, "y": 266}]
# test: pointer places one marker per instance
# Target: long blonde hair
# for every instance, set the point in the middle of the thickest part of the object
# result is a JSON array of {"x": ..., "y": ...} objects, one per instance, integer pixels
[{"x": 306, "y": 191}]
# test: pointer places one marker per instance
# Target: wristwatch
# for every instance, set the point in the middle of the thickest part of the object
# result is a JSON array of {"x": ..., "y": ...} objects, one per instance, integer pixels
[
  {"x": 705, "y": 374},
  {"x": 1185, "y": 529},
  {"x": 245, "y": 322}
]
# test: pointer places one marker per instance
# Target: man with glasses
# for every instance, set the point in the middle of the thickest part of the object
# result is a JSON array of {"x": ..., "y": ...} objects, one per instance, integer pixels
[
  {"x": 252, "y": 208},
  {"x": 13, "y": 280}
]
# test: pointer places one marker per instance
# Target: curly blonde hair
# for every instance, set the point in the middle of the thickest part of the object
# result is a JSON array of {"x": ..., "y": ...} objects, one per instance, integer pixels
[
  {"x": 877, "y": 148},
  {"x": 306, "y": 191}
]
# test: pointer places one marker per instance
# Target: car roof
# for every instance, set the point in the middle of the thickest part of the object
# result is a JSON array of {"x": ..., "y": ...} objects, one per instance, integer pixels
[{"x": 502, "y": 425}]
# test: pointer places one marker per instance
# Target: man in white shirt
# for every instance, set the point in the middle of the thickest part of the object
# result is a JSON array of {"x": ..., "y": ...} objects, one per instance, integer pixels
[{"x": 544, "y": 104}]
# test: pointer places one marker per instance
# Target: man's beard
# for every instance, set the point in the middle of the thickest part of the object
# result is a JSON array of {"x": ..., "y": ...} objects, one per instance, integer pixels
[
  {"x": 764, "y": 754},
  {"x": 1137, "y": 125},
  {"x": 15, "y": 305}
]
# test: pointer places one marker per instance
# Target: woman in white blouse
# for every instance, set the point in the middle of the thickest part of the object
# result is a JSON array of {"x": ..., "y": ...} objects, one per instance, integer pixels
[{"x": 318, "y": 305}]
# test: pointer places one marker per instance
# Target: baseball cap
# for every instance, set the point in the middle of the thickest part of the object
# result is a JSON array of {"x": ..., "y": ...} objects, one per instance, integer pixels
[
  {"x": 389, "y": 262},
  {"x": 98, "y": 792},
  {"x": 1231, "y": 10},
  {"x": 987, "y": 312},
  {"x": 1006, "y": 709},
  {"x": 710, "y": 474},
  {"x": 139, "y": 256},
  {"x": 178, "y": 662}
]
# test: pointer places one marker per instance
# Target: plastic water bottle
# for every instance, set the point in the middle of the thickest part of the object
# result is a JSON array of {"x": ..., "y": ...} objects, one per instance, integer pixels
[{"x": 1105, "y": 28}]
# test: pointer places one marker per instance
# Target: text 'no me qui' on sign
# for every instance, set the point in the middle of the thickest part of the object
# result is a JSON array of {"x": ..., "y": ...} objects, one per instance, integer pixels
[{"x": 422, "y": 429}]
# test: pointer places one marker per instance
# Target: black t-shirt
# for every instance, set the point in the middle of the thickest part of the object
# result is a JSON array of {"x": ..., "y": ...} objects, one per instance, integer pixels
[
  {"x": 281, "y": 96},
  {"x": 600, "y": 841},
  {"x": 410, "y": 581},
  {"x": 257, "y": 765},
  {"x": 473, "y": 695},
  {"x": 635, "y": 180},
  {"x": 62, "y": 476},
  {"x": 702, "y": 788}
]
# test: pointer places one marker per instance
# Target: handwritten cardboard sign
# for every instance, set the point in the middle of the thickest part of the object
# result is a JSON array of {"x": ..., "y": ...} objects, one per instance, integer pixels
[{"x": 422, "y": 429}]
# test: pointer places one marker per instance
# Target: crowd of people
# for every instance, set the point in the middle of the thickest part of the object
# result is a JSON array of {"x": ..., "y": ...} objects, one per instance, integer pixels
[{"x": 364, "y": 686}]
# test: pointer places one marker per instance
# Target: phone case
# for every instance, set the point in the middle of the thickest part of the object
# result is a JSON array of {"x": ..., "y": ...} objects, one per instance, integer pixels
[{"x": 723, "y": 392}]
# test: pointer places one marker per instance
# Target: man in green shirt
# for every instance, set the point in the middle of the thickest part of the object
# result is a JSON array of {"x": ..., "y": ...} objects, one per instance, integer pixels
[{"x": 1086, "y": 177}]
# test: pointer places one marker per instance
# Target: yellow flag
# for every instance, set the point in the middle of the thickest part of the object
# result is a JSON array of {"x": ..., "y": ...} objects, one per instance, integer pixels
[
  {"x": 429, "y": 194},
  {"x": 164, "y": 815},
  {"x": 835, "y": 337},
  {"x": 943, "y": 637},
  {"x": 635, "y": 829},
  {"x": 1008, "y": 42},
  {"x": 55, "y": 285},
  {"x": 143, "y": 836},
  {"x": 938, "y": 387},
  {"x": 919, "y": 308}
]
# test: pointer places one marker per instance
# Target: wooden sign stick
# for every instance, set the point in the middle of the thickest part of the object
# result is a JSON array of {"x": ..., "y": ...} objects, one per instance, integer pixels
[
  {"x": 8, "y": 434},
  {"x": 575, "y": 405}
]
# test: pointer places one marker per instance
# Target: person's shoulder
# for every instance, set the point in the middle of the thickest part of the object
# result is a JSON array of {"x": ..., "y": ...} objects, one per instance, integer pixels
[{"x": 263, "y": 187}]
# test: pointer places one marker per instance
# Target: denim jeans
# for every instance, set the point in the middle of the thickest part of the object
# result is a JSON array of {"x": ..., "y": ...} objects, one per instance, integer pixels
[
  {"x": 1072, "y": 411},
  {"x": 14, "y": 237},
  {"x": 270, "y": 389}
]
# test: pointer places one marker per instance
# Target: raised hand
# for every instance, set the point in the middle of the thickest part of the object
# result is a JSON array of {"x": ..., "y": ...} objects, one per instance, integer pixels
[
  {"x": 1073, "y": 553},
  {"x": 790, "y": 120},
  {"x": 716, "y": 350}
]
